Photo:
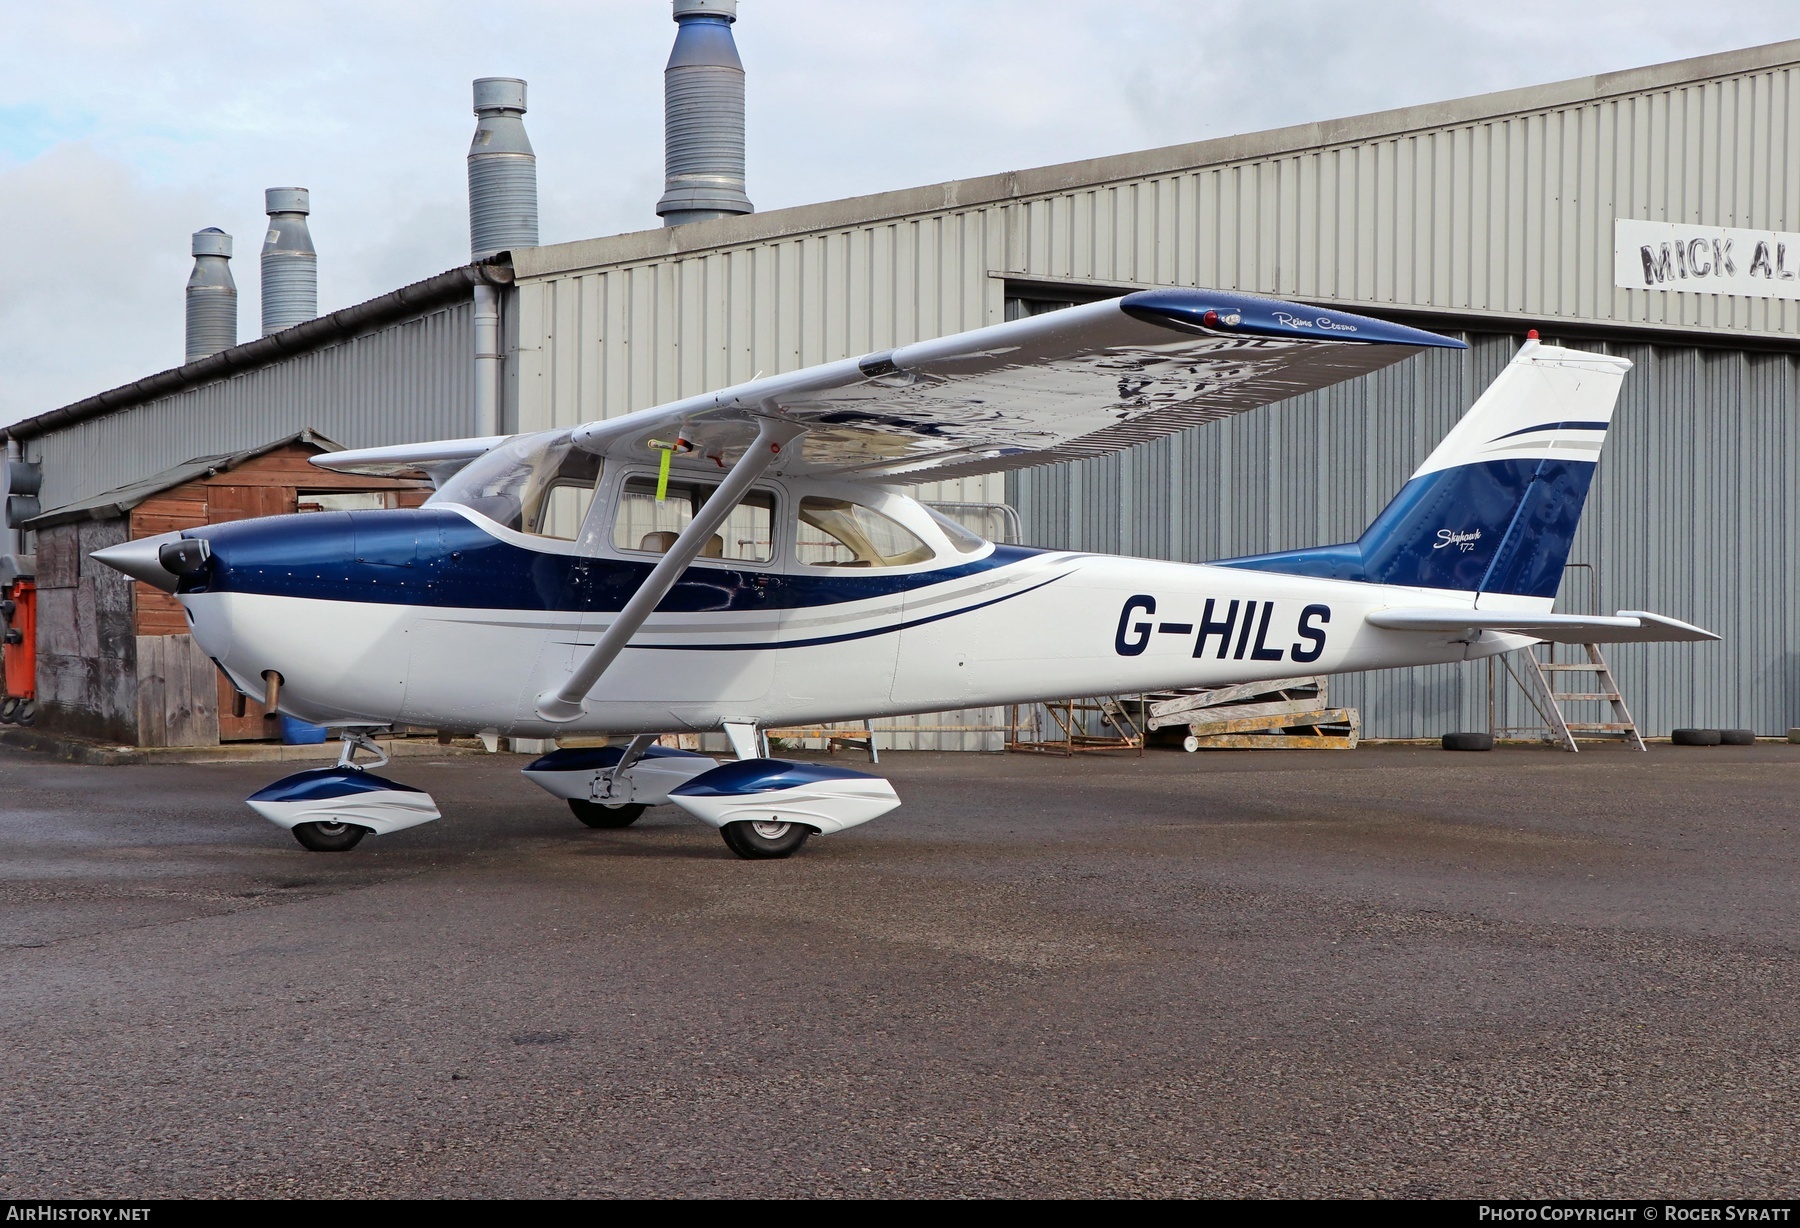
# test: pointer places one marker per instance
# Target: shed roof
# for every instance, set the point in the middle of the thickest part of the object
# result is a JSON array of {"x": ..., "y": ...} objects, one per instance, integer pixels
[
  {"x": 111, "y": 503},
  {"x": 328, "y": 329}
]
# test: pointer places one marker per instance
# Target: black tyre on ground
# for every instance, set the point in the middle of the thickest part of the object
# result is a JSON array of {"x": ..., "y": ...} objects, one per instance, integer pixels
[
  {"x": 1468, "y": 741},
  {"x": 8, "y": 706},
  {"x": 1695, "y": 737},
  {"x": 764, "y": 841},
  {"x": 604, "y": 814},
  {"x": 26, "y": 712},
  {"x": 1737, "y": 737},
  {"x": 329, "y": 837}
]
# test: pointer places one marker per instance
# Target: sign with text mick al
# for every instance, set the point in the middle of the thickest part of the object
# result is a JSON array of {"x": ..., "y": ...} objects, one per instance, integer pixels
[{"x": 1705, "y": 259}]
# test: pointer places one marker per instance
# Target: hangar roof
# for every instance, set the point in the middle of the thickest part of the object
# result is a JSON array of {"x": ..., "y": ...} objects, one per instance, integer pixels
[{"x": 1044, "y": 180}]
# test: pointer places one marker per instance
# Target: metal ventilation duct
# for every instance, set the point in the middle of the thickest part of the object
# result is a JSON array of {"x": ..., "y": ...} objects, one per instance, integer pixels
[
  {"x": 212, "y": 305},
  {"x": 703, "y": 117},
  {"x": 290, "y": 267},
  {"x": 503, "y": 204}
]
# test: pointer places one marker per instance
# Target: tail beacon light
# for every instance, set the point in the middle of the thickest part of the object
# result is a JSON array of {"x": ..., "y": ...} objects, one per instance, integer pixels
[{"x": 826, "y": 799}]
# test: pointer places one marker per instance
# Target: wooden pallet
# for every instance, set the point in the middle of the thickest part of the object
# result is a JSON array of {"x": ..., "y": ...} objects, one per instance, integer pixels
[
  {"x": 836, "y": 738},
  {"x": 1280, "y": 714}
]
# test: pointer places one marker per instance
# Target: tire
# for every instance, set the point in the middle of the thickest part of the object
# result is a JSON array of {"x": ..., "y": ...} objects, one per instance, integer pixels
[
  {"x": 1737, "y": 737},
  {"x": 329, "y": 837},
  {"x": 1468, "y": 741},
  {"x": 1694, "y": 737},
  {"x": 600, "y": 814},
  {"x": 26, "y": 712},
  {"x": 764, "y": 841},
  {"x": 8, "y": 706}
]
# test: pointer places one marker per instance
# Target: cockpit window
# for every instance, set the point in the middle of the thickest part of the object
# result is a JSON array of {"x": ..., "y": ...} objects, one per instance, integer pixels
[
  {"x": 961, "y": 536},
  {"x": 538, "y": 483},
  {"x": 643, "y": 522},
  {"x": 839, "y": 533}
]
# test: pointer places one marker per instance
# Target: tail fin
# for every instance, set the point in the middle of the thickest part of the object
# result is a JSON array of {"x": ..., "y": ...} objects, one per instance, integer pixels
[{"x": 1494, "y": 508}]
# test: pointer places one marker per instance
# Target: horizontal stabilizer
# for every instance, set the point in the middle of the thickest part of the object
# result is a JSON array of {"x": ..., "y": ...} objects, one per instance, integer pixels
[{"x": 1625, "y": 627}]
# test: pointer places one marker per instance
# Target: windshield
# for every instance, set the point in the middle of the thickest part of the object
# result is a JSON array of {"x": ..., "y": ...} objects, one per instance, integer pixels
[
  {"x": 533, "y": 484},
  {"x": 960, "y": 535}
]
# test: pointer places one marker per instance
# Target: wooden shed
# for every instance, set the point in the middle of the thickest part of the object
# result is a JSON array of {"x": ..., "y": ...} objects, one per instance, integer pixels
[{"x": 114, "y": 658}]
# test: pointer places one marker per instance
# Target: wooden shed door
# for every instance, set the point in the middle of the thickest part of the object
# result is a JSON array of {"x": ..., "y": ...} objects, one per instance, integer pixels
[{"x": 247, "y": 502}]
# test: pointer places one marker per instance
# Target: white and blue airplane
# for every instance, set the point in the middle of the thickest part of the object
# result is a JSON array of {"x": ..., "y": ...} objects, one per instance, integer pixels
[{"x": 748, "y": 559}]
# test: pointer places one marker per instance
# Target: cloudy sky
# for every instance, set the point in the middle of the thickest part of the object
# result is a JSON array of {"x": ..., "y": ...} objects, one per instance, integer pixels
[{"x": 125, "y": 125}]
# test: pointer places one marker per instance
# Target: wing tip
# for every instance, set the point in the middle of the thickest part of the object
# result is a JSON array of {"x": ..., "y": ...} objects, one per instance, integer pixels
[{"x": 1228, "y": 313}]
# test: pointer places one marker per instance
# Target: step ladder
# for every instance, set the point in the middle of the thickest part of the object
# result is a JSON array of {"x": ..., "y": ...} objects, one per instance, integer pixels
[{"x": 1543, "y": 674}]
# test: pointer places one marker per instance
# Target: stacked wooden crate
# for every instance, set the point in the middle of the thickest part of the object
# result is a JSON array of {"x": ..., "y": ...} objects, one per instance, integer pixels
[{"x": 1287, "y": 713}]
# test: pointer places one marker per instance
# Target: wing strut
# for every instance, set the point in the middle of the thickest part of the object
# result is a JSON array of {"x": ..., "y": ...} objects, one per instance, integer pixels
[{"x": 570, "y": 700}]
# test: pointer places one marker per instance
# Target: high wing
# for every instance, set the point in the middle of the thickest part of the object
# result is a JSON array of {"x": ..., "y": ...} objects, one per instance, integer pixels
[
  {"x": 1078, "y": 382},
  {"x": 1625, "y": 627}
]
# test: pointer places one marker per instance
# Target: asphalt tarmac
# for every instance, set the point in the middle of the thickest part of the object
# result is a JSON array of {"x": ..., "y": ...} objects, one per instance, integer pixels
[{"x": 1395, "y": 971}]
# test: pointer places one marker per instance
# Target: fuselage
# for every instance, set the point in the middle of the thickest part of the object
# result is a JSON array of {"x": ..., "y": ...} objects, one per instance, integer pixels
[{"x": 439, "y": 617}]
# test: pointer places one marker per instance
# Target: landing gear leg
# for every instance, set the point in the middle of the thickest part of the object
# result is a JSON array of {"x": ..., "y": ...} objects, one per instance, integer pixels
[
  {"x": 599, "y": 810},
  {"x": 341, "y": 837},
  {"x": 746, "y": 743}
]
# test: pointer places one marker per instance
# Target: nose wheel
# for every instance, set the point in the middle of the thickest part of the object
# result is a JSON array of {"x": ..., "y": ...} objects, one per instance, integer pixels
[{"x": 760, "y": 841}]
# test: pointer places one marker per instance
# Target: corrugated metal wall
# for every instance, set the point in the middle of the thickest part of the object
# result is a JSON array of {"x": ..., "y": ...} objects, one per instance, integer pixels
[
  {"x": 1690, "y": 514},
  {"x": 408, "y": 381},
  {"x": 1508, "y": 215}
]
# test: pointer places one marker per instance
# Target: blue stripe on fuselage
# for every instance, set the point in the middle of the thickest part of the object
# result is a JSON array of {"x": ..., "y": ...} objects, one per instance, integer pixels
[{"x": 431, "y": 557}]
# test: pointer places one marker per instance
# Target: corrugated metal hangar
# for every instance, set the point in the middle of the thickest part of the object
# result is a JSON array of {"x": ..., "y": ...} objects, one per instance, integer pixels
[{"x": 1643, "y": 213}]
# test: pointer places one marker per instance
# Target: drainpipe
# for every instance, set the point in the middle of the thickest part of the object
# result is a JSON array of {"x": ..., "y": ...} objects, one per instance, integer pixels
[
  {"x": 503, "y": 217},
  {"x": 487, "y": 359},
  {"x": 15, "y": 538}
]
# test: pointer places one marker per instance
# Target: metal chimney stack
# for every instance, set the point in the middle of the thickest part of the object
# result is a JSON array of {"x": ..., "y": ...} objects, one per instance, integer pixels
[
  {"x": 290, "y": 267},
  {"x": 503, "y": 204},
  {"x": 703, "y": 117},
  {"x": 212, "y": 305}
]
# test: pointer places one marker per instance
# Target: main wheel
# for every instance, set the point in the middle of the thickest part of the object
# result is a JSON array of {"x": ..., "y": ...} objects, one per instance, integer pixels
[
  {"x": 606, "y": 814},
  {"x": 764, "y": 841},
  {"x": 329, "y": 837}
]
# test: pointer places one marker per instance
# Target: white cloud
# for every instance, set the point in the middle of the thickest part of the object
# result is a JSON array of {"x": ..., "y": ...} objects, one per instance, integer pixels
[
  {"x": 91, "y": 291},
  {"x": 132, "y": 123}
]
